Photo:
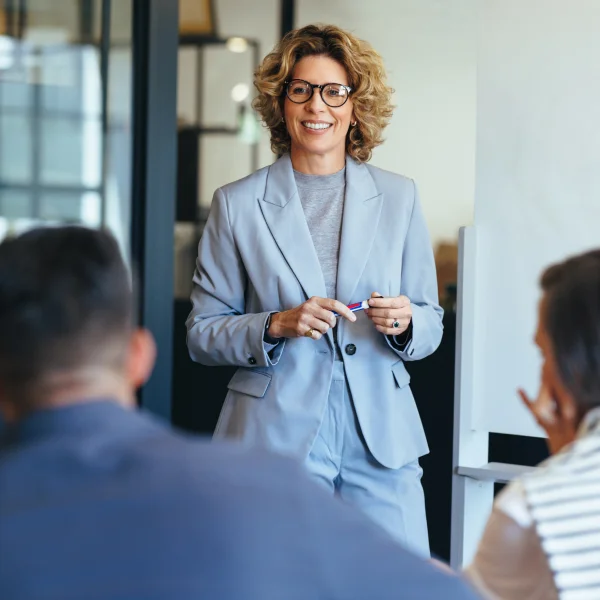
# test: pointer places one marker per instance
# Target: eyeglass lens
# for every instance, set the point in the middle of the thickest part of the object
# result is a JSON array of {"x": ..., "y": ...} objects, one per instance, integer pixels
[{"x": 333, "y": 94}]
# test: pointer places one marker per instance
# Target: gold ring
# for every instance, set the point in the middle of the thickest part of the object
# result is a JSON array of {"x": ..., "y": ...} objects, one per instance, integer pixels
[{"x": 309, "y": 333}]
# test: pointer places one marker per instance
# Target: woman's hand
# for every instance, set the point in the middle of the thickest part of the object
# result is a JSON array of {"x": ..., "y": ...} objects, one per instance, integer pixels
[
  {"x": 559, "y": 422},
  {"x": 386, "y": 312},
  {"x": 312, "y": 318}
]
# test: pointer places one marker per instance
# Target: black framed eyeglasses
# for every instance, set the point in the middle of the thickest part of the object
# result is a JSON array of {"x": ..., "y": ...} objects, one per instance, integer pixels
[{"x": 333, "y": 94}]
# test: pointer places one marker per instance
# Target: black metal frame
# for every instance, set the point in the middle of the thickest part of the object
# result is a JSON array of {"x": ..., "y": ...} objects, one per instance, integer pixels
[
  {"x": 155, "y": 43},
  {"x": 105, "y": 44},
  {"x": 287, "y": 16},
  {"x": 16, "y": 15},
  {"x": 199, "y": 42}
]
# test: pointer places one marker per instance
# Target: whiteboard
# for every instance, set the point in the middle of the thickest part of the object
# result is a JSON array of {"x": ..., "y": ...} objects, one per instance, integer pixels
[{"x": 537, "y": 191}]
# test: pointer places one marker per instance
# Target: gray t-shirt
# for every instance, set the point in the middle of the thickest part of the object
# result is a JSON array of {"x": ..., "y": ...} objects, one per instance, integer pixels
[{"x": 322, "y": 198}]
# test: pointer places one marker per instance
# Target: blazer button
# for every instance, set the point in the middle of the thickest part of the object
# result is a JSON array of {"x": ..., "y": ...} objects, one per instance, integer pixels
[
  {"x": 252, "y": 360},
  {"x": 350, "y": 349}
]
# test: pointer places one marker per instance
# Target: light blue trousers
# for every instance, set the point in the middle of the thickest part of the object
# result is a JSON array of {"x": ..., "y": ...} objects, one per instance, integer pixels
[{"x": 341, "y": 460}]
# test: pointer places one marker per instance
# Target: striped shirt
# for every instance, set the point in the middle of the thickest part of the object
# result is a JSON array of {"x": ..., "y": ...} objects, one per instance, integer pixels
[
  {"x": 542, "y": 540},
  {"x": 564, "y": 500}
]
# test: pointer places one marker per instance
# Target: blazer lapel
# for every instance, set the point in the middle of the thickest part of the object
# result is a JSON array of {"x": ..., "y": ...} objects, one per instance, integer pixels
[
  {"x": 362, "y": 209},
  {"x": 285, "y": 218}
]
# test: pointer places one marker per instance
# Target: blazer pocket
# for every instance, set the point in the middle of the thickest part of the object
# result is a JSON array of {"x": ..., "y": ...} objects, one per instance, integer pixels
[
  {"x": 400, "y": 374},
  {"x": 252, "y": 383}
]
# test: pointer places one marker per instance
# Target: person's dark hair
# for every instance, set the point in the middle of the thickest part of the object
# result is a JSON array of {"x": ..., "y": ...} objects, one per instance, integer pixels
[
  {"x": 572, "y": 321},
  {"x": 65, "y": 304}
]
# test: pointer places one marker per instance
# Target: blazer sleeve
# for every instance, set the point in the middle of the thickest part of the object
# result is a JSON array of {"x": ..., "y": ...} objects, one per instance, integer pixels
[
  {"x": 419, "y": 284},
  {"x": 218, "y": 331}
]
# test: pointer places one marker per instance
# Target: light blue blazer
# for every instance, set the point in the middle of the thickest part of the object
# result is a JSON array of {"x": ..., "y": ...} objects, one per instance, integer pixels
[{"x": 256, "y": 256}]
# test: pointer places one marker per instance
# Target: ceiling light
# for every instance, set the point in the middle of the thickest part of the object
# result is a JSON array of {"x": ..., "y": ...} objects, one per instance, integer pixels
[
  {"x": 240, "y": 92},
  {"x": 237, "y": 44}
]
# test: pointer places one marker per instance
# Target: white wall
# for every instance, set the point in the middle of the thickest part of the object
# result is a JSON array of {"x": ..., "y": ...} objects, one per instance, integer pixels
[{"x": 429, "y": 48}]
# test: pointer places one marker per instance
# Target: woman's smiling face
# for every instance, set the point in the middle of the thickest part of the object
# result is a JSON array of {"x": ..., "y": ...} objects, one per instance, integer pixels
[{"x": 315, "y": 128}]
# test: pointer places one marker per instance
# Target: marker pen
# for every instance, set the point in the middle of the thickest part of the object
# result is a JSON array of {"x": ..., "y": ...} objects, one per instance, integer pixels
[{"x": 356, "y": 306}]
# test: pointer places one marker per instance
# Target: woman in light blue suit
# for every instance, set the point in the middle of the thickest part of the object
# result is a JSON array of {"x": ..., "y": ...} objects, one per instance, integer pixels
[{"x": 291, "y": 245}]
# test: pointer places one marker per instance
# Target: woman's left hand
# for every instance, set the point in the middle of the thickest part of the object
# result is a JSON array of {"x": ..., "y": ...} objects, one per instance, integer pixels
[{"x": 387, "y": 312}]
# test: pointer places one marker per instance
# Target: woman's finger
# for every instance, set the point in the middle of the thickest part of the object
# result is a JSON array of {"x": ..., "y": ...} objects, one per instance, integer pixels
[
  {"x": 525, "y": 398},
  {"x": 313, "y": 329},
  {"x": 332, "y": 306},
  {"x": 395, "y": 302},
  {"x": 530, "y": 405},
  {"x": 380, "y": 302},
  {"x": 384, "y": 317},
  {"x": 388, "y": 330},
  {"x": 543, "y": 408},
  {"x": 389, "y": 323},
  {"x": 325, "y": 315}
]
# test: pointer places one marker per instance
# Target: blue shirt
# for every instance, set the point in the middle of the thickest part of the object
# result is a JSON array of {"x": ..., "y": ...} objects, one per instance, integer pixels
[{"x": 100, "y": 502}]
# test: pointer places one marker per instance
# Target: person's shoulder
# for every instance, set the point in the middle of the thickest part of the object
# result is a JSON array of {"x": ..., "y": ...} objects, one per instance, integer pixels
[
  {"x": 247, "y": 186},
  {"x": 388, "y": 180},
  {"x": 512, "y": 502},
  {"x": 577, "y": 457},
  {"x": 193, "y": 460}
]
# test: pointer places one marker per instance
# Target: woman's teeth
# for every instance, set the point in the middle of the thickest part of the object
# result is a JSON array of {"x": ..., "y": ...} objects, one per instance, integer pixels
[{"x": 317, "y": 125}]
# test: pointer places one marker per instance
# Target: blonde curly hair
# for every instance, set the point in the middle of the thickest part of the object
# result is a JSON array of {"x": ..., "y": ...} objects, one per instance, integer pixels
[{"x": 371, "y": 96}]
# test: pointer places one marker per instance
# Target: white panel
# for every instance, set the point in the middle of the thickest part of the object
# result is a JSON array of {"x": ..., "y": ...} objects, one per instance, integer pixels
[{"x": 538, "y": 181}]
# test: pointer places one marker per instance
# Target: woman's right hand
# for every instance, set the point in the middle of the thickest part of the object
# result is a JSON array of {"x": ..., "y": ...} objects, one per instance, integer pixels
[
  {"x": 558, "y": 419},
  {"x": 315, "y": 314}
]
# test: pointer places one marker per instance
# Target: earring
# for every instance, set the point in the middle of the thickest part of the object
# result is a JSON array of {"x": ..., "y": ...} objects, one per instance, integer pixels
[
  {"x": 353, "y": 123},
  {"x": 283, "y": 119}
]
